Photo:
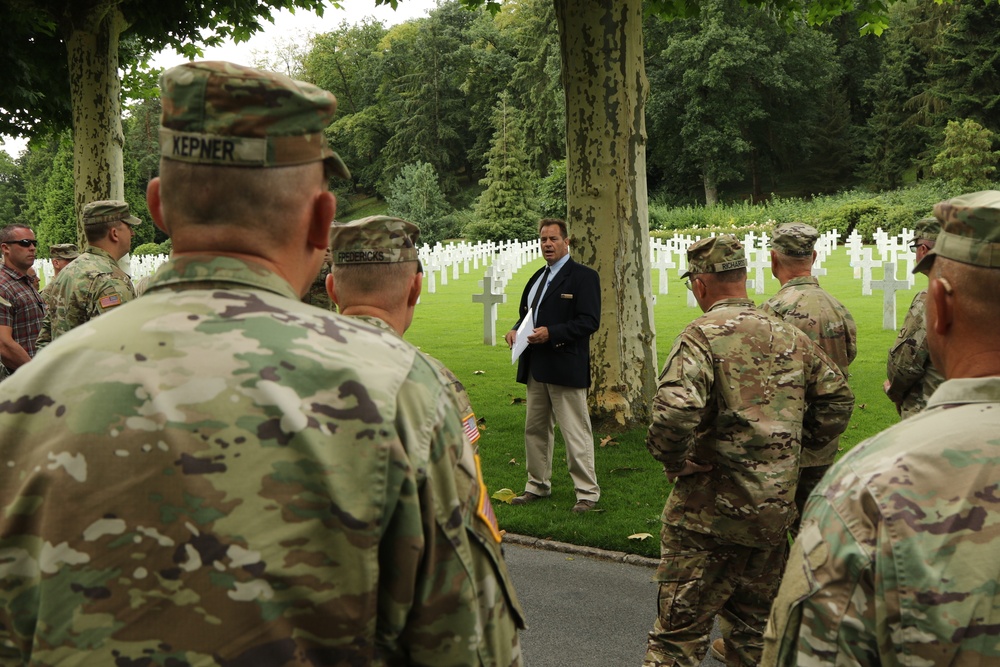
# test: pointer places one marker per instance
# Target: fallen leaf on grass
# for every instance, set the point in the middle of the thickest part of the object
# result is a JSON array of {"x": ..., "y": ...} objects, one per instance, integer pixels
[
  {"x": 862, "y": 406},
  {"x": 504, "y": 495},
  {"x": 625, "y": 468},
  {"x": 517, "y": 400},
  {"x": 481, "y": 423},
  {"x": 608, "y": 441},
  {"x": 512, "y": 462},
  {"x": 640, "y": 536},
  {"x": 479, "y": 372}
]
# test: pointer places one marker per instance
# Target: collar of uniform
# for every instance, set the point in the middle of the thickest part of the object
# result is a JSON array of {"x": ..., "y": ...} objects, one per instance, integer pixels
[
  {"x": 802, "y": 280},
  {"x": 100, "y": 252},
  {"x": 966, "y": 390},
  {"x": 377, "y": 323},
  {"x": 732, "y": 303},
  {"x": 220, "y": 271}
]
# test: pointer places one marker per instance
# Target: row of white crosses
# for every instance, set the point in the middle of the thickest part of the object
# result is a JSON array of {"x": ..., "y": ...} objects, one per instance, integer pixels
[{"x": 509, "y": 258}]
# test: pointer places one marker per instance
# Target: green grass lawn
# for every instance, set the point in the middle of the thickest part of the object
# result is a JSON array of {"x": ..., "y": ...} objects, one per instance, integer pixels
[{"x": 449, "y": 326}]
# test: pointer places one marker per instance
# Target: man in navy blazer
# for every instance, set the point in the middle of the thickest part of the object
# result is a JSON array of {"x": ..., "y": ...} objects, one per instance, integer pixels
[{"x": 565, "y": 298}]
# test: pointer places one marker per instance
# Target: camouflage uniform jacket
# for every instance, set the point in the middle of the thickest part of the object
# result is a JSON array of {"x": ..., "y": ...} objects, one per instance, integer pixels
[
  {"x": 90, "y": 285},
  {"x": 828, "y": 323},
  {"x": 898, "y": 558},
  {"x": 247, "y": 480},
  {"x": 912, "y": 376},
  {"x": 744, "y": 392}
]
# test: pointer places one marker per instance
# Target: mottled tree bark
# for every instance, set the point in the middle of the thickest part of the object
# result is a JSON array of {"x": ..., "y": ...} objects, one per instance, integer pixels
[
  {"x": 95, "y": 86},
  {"x": 608, "y": 215}
]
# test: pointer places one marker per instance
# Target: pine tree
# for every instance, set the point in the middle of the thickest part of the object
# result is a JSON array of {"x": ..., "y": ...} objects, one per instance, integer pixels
[
  {"x": 504, "y": 209},
  {"x": 967, "y": 159},
  {"x": 415, "y": 195}
]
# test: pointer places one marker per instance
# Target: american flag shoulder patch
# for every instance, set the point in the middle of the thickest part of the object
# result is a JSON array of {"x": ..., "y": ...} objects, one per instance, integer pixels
[
  {"x": 470, "y": 428},
  {"x": 484, "y": 508},
  {"x": 110, "y": 301}
]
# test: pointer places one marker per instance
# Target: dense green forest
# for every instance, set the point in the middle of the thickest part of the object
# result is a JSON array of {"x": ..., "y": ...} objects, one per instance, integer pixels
[{"x": 457, "y": 119}]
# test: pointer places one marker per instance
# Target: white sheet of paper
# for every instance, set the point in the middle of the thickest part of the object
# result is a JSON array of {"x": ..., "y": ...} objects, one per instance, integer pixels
[{"x": 521, "y": 341}]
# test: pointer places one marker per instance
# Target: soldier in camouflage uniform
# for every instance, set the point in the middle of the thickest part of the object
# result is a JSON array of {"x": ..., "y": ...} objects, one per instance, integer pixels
[
  {"x": 740, "y": 395},
  {"x": 815, "y": 312},
  {"x": 377, "y": 278},
  {"x": 911, "y": 375},
  {"x": 219, "y": 474},
  {"x": 61, "y": 254},
  {"x": 93, "y": 284},
  {"x": 898, "y": 559}
]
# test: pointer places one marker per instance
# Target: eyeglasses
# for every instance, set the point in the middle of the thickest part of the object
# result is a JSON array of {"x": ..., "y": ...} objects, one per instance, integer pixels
[
  {"x": 24, "y": 243},
  {"x": 914, "y": 246},
  {"x": 689, "y": 282}
]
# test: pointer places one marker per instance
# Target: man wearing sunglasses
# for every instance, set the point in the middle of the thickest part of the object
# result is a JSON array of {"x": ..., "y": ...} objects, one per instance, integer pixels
[{"x": 21, "y": 318}]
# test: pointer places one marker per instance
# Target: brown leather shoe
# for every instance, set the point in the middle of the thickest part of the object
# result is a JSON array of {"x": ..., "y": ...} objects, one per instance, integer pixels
[
  {"x": 525, "y": 498},
  {"x": 584, "y": 506}
]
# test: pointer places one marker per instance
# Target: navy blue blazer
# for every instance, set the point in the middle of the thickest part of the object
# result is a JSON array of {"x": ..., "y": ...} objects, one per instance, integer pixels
[{"x": 571, "y": 309}]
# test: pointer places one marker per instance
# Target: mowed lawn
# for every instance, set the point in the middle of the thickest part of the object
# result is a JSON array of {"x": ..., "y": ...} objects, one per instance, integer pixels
[{"x": 449, "y": 326}]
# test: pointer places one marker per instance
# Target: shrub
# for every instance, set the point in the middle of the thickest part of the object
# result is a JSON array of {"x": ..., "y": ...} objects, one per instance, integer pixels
[{"x": 148, "y": 249}]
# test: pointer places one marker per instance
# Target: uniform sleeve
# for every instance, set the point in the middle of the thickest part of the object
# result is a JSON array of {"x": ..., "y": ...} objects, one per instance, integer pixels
[
  {"x": 829, "y": 402},
  {"x": 45, "y": 330},
  {"x": 109, "y": 293},
  {"x": 852, "y": 337},
  {"x": 444, "y": 599},
  {"x": 826, "y": 611},
  {"x": 908, "y": 355},
  {"x": 684, "y": 389}
]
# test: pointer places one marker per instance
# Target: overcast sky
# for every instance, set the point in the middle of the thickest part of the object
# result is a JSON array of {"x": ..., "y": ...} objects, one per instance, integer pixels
[{"x": 287, "y": 26}]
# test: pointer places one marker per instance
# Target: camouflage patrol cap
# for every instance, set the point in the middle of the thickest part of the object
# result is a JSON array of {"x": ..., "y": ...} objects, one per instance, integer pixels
[
  {"x": 226, "y": 114},
  {"x": 377, "y": 239},
  {"x": 970, "y": 231},
  {"x": 795, "y": 239},
  {"x": 715, "y": 255},
  {"x": 108, "y": 210},
  {"x": 64, "y": 251},
  {"x": 927, "y": 229}
]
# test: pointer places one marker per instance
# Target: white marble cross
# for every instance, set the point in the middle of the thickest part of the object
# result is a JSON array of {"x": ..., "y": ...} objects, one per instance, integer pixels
[
  {"x": 889, "y": 286},
  {"x": 866, "y": 264},
  {"x": 489, "y": 299},
  {"x": 817, "y": 269},
  {"x": 759, "y": 261},
  {"x": 664, "y": 262}
]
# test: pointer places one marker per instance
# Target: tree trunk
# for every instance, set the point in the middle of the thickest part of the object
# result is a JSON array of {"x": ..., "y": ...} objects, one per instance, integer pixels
[
  {"x": 711, "y": 189},
  {"x": 95, "y": 86},
  {"x": 608, "y": 215}
]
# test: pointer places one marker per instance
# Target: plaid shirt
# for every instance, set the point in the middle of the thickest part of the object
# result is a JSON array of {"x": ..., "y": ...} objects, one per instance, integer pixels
[{"x": 24, "y": 316}]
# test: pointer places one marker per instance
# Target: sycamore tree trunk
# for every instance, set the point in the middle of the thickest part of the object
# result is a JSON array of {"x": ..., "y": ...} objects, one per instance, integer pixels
[
  {"x": 608, "y": 216},
  {"x": 95, "y": 85},
  {"x": 711, "y": 188}
]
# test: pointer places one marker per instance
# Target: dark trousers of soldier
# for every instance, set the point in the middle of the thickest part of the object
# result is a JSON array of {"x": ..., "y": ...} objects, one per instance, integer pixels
[
  {"x": 701, "y": 576},
  {"x": 808, "y": 479}
]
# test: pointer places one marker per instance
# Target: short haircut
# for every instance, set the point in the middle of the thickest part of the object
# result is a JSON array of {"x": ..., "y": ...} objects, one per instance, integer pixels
[
  {"x": 731, "y": 276},
  {"x": 247, "y": 197},
  {"x": 792, "y": 261},
  {"x": 97, "y": 231},
  {"x": 7, "y": 233},
  {"x": 383, "y": 285},
  {"x": 545, "y": 222},
  {"x": 977, "y": 287}
]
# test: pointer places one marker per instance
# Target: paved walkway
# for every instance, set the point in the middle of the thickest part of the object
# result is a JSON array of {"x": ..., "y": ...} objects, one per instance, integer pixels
[{"x": 585, "y": 607}]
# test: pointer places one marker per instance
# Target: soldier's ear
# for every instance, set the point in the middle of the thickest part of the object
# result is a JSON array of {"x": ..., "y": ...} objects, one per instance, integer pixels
[
  {"x": 153, "y": 203},
  {"x": 331, "y": 289},
  {"x": 940, "y": 292},
  {"x": 416, "y": 286}
]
